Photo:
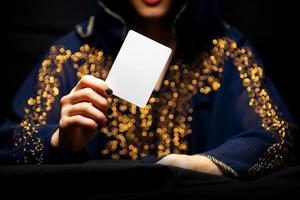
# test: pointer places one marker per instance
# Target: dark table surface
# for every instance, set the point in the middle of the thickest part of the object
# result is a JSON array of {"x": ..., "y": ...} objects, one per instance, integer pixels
[{"x": 108, "y": 179}]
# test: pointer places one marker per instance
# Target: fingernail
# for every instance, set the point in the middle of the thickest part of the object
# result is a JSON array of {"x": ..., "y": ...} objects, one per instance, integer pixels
[
  {"x": 108, "y": 91},
  {"x": 109, "y": 111}
]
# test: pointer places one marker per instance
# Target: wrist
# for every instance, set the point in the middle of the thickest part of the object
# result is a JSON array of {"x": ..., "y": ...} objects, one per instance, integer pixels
[{"x": 203, "y": 164}]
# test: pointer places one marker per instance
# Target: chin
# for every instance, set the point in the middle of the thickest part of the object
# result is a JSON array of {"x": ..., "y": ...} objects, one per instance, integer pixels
[{"x": 152, "y": 13}]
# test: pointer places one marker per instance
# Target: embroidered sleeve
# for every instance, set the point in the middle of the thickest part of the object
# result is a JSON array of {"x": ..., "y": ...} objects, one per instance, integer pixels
[
  {"x": 29, "y": 146},
  {"x": 278, "y": 154}
]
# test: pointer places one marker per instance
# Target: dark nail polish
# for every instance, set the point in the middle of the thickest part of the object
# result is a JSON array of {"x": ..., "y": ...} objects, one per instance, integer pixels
[
  {"x": 109, "y": 111},
  {"x": 108, "y": 91}
]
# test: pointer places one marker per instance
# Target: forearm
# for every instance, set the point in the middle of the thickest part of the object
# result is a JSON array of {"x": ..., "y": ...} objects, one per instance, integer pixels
[
  {"x": 203, "y": 164},
  {"x": 196, "y": 162}
]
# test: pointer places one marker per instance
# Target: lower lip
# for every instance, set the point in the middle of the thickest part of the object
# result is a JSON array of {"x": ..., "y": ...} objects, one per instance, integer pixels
[{"x": 152, "y": 2}]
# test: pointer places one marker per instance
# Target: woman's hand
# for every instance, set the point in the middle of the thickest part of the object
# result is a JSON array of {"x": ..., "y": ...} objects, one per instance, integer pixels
[
  {"x": 197, "y": 163},
  {"x": 83, "y": 113}
]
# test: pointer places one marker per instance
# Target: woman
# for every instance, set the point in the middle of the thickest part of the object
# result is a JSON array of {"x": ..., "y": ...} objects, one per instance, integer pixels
[{"x": 213, "y": 102}]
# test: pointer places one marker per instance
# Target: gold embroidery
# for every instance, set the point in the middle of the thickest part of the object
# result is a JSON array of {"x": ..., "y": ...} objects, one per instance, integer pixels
[
  {"x": 161, "y": 127},
  {"x": 252, "y": 77},
  {"x": 37, "y": 108}
]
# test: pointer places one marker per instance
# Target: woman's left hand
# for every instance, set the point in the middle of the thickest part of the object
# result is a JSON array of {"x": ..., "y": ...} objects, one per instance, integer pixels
[{"x": 197, "y": 163}]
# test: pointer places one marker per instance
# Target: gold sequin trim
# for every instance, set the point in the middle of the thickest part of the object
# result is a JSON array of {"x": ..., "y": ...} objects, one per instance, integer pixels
[
  {"x": 221, "y": 164},
  {"x": 35, "y": 113}
]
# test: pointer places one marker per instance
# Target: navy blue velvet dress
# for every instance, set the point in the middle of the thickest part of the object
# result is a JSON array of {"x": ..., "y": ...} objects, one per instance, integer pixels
[{"x": 221, "y": 105}]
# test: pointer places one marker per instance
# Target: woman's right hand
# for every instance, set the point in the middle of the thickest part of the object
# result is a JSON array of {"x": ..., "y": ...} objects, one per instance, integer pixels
[{"x": 84, "y": 111}]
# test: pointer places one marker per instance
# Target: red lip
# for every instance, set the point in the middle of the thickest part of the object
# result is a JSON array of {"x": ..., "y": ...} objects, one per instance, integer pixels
[{"x": 152, "y": 2}]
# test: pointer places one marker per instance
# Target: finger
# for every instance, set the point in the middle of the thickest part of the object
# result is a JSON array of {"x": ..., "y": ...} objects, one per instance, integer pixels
[
  {"x": 80, "y": 120},
  {"x": 95, "y": 83},
  {"x": 87, "y": 110},
  {"x": 89, "y": 95}
]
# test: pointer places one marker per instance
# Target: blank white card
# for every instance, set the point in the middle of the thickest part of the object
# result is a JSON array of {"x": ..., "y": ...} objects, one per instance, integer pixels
[{"x": 137, "y": 68}]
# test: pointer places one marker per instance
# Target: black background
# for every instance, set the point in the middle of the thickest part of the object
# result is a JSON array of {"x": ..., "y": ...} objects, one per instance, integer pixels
[{"x": 30, "y": 26}]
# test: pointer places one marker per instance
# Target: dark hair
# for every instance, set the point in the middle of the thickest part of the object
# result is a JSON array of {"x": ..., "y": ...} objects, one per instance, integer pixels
[
  {"x": 198, "y": 22},
  {"x": 198, "y": 25}
]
